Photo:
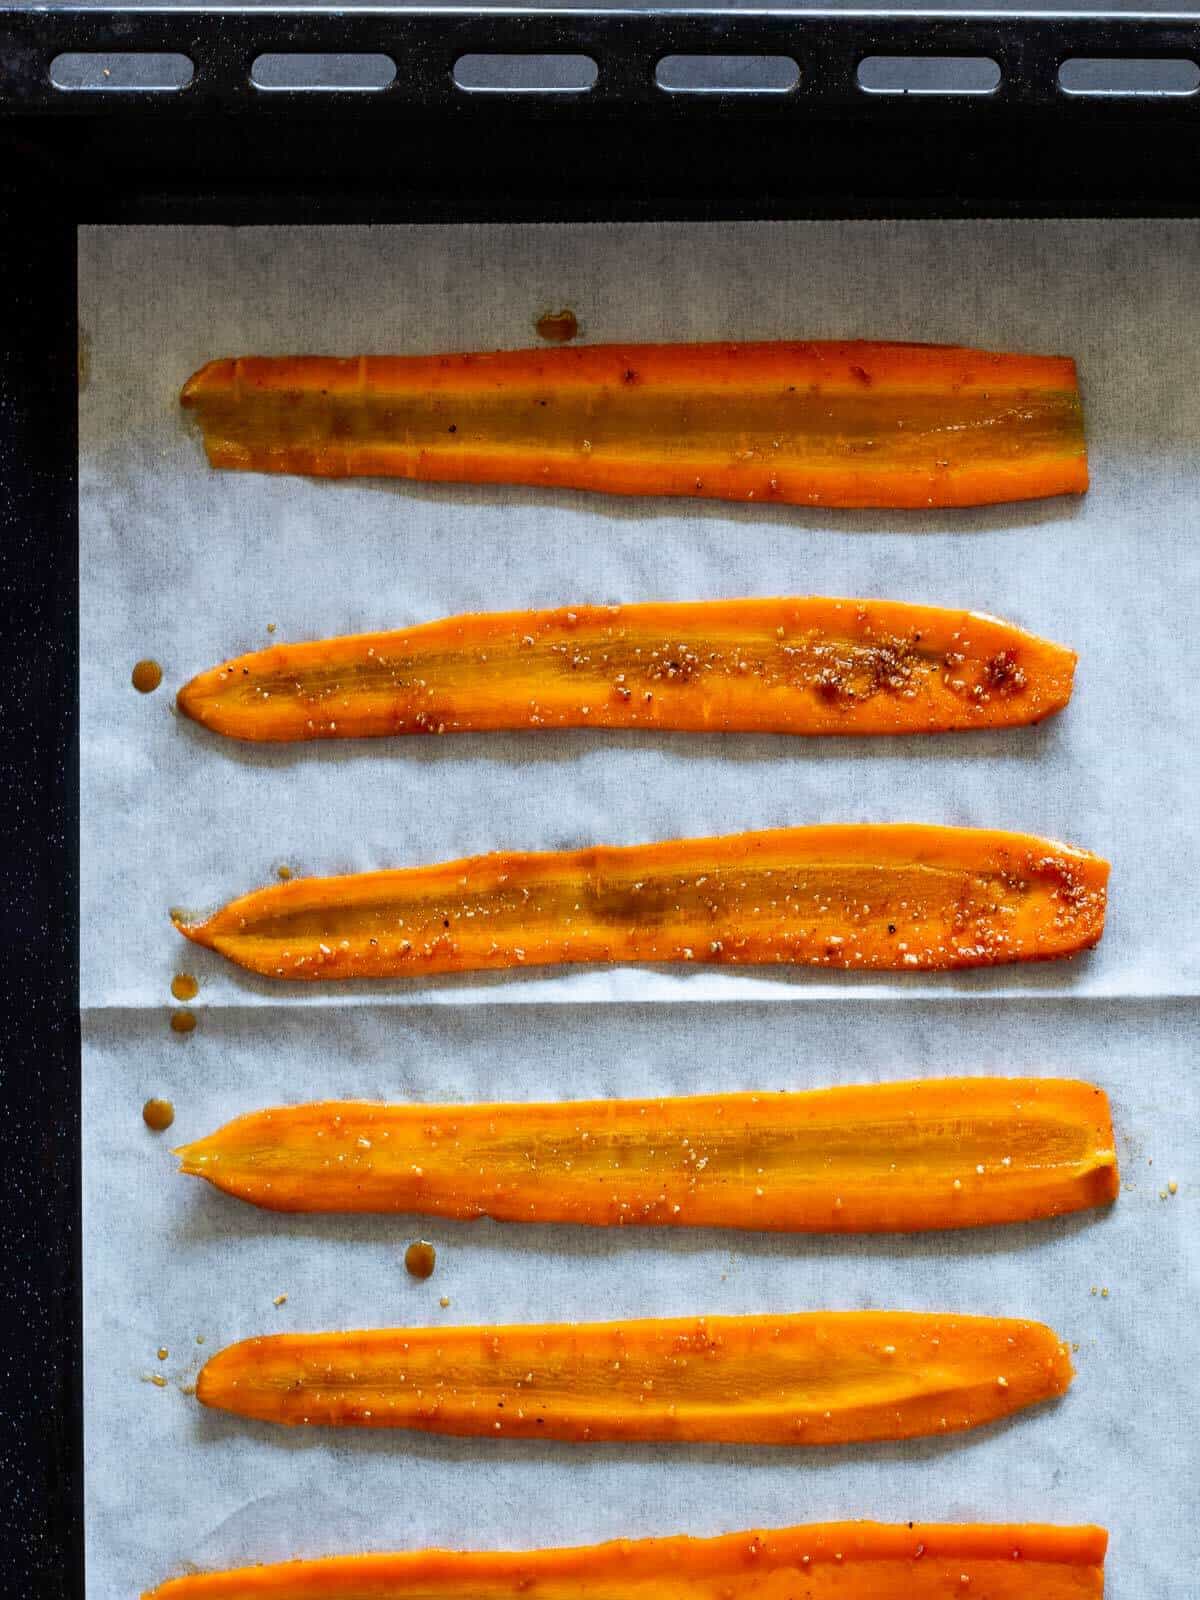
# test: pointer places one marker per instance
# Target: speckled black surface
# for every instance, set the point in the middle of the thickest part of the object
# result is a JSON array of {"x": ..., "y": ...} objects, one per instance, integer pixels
[
  {"x": 40, "y": 1412},
  {"x": 424, "y": 150}
]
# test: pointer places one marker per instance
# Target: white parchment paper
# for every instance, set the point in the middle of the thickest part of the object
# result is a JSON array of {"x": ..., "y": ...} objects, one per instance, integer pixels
[{"x": 189, "y": 566}]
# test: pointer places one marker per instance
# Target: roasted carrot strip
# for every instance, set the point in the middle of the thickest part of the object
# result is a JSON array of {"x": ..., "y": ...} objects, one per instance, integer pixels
[
  {"x": 882, "y": 1158},
  {"x": 901, "y": 897},
  {"x": 836, "y": 424},
  {"x": 825, "y": 1377},
  {"x": 768, "y": 666},
  {"x": 833, "y": 1560}
]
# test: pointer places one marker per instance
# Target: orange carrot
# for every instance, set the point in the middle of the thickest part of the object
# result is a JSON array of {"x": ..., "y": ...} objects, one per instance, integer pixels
[
  {"x": 902, "y": 898},
  {"x": 824, "y": 1377},
  {"x": 802, "y": 666},
  {"x": 832, "y": 1561},
  {"x": 882, "y": 1158},
  {"x": 835, "y": 424}
]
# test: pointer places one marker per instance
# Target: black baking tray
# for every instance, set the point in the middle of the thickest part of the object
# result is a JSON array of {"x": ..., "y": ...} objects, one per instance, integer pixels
[{"x": 221, "y": 151}]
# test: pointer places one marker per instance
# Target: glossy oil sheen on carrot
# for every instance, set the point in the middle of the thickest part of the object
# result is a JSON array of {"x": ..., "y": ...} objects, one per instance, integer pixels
[
  {"x": 816, "y": 423},
  {"x": 855, "y": 897},
  {"x": 809, "y": 1379},
  {"x": 832, "y": 1560},
  {"x": 894, "y": 1157},
  {"x": 804, "y": 666}
]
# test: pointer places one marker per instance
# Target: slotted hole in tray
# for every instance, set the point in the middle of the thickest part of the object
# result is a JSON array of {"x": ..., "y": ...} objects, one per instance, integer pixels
[
  {"x": 684, "y": 74},
  {"x": 928, "y": 75},
  {"x": 1128, "y": 75},
  {"x": 525, "y": 74},
  {"x": 147, "y": 71},
  {"x": 301, "y": 71}
]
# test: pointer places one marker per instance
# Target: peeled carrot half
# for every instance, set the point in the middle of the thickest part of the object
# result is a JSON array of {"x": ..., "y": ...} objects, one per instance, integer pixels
[
  {"x": 882, "y": 1158},
  {"x": 825, "y": 1377},
  {"x": 833, "y": 1561},
  {"x": 767, "y": 666},
  {"x": 900, "y": 897},
  {"x": 836, "y": 424}
]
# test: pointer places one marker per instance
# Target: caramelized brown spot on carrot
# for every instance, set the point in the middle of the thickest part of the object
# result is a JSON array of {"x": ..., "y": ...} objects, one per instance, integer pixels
[{"x": 1003, "y": 675}]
